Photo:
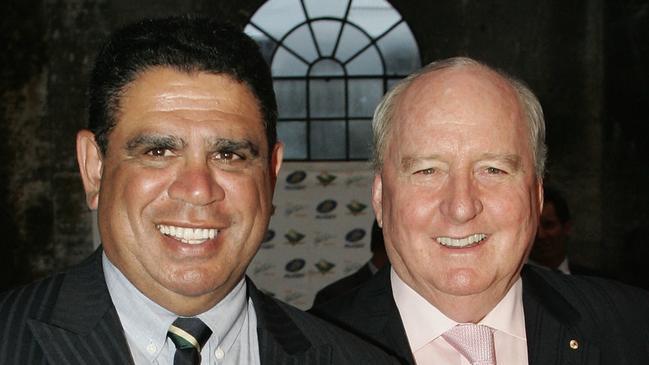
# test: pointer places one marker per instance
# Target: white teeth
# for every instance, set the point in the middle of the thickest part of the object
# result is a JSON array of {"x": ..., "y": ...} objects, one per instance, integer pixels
[
  {"x": 461, "y": 242},
  {"x": 192, "y": 236}
]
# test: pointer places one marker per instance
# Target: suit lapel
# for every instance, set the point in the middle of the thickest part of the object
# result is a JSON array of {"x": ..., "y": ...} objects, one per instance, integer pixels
[
  {"x": 381, "y": 320},
  {"x": 84, "y": 327},
  {"x": 280, "y": 340},
  {"x": 553, "y": 336}
]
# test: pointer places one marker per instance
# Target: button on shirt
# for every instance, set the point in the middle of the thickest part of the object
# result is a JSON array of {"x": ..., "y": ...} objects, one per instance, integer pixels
[
  {"x": 424, "y": 325},
  {"x": 232, "y": 321}
]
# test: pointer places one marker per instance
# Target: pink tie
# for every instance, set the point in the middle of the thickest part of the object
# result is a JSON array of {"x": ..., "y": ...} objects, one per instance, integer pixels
[{"x": 473, "y": 341}]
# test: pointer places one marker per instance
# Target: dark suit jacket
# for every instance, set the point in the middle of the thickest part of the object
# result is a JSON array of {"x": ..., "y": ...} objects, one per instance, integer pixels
[
  {"x": 69, "y": 318},
  {"x": 609, "y": 321},
  {"x": 576, "y": 269},
  {"x": 342, "y": 286}
]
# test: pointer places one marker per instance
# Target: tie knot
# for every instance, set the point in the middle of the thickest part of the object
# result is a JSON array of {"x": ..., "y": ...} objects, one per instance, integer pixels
[
  {"x": 189, "y": 333},
  {"x": 473, "y": 341}
]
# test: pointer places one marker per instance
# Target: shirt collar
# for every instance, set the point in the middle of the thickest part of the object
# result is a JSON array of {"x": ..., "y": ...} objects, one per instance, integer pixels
[
  {"x": 564, "y": 266},
  {"x": 424, "y": 323},
  {"x": 421, "y": 320},
  {"x": 145, "y": 322},
  {"x": 227, "y": 317},
  {"x": 508, "y": 315}
]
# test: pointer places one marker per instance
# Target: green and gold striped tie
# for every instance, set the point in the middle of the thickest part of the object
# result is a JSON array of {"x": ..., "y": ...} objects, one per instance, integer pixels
[{"x": 189, "y": 335}]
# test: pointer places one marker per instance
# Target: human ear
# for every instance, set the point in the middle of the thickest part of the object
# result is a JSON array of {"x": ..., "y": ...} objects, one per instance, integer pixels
[
  {"x": 539, "y": 196},
  {"x": 276, "y": 162},
  {"x": 90, "y": 161},
  {"x": 377, "y": 198}
]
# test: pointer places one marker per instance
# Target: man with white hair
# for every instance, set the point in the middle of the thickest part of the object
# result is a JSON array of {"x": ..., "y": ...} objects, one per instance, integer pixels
[{"x": 458, "y": 190}]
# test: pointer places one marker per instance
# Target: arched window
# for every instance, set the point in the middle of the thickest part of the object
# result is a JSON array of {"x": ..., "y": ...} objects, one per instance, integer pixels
[{"x": 331, "y": 62}]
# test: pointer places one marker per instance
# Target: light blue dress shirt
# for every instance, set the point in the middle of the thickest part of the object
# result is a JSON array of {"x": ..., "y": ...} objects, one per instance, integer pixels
[{"x": 233, "y": 323}]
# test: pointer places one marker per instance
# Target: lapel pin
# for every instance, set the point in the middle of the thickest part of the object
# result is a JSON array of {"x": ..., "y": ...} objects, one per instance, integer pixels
[{"x": 574, "y": 344}]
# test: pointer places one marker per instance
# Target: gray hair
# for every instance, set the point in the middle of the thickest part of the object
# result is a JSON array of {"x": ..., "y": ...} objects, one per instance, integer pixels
[{"x": 384, "y": 113}]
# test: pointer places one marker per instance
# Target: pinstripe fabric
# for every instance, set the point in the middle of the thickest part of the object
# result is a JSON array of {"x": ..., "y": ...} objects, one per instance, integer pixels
[
  {"x": 15, "y": 308},
  {"x": 608, "y": 321},
  {"x": 65, "y": 319},
  {"x": 290, "y": 336},
  {"x": 370, "y": 312},
  {"x": 69, "y": 319}
]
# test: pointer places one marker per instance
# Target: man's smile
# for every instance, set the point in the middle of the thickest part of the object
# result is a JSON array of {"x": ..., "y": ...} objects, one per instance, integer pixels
[
  {"x": 192, "y": 236},
  {"x": 464, "y": 242}
]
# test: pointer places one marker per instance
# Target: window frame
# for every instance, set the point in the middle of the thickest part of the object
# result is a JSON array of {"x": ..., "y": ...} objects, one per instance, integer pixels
[{"x": 345, "y": 116}]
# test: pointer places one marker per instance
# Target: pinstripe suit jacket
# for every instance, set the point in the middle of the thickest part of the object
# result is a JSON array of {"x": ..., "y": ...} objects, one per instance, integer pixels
[
  {"x": 609, "y": 321},
  {"x": 69, "y": 318}
]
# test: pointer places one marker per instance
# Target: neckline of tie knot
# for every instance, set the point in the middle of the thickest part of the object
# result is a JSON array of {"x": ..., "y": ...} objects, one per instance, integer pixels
[
  {"x": 473, "y": 341},
  {"x": 188, "y": 333}
]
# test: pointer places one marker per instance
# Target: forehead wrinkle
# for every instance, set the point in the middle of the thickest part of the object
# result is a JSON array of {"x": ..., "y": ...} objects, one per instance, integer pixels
[
  {"x": 511, "y": 157},
  {"x": 190, "y": 96},
  {"x": 183, "y": 93},
  {"x": 182, "y": 104},
  {"x": 188, "y": 105}
]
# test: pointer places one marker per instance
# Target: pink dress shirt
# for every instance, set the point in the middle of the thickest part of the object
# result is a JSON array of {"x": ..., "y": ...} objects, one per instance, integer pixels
[{"x": 424, "y": 325}]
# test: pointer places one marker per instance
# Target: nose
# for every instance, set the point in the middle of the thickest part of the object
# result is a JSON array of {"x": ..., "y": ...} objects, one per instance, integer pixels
[
  {"x": 196, "y": 185},
  {"x": 461, "y": 202}
]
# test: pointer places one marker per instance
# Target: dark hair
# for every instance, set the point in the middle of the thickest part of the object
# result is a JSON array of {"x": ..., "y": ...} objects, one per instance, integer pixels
[
  {"x": 188, "y": 44},
  {"x": 554, "y": 196}
]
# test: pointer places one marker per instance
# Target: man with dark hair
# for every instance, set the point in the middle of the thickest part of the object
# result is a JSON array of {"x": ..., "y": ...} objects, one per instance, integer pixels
[
  {"x": 549, "y": 249},
  {"x": 458, "y": 191},
  {"x": 180, "y": 162},
  {"x": 551, "y": 243}
]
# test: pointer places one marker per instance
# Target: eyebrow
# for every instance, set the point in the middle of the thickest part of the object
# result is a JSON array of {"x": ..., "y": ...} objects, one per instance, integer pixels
[
  {"x": 154, "y": 140},
  {"x": 511, "y": 159},
  {"x": 226, "y": 144},
  {"x": 408, "y": 161},
  {"x": 146, "y": 141}
]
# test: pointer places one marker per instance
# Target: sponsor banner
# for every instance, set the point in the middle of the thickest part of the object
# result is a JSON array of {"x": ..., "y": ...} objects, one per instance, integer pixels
[{"x": 319, "y": 232}]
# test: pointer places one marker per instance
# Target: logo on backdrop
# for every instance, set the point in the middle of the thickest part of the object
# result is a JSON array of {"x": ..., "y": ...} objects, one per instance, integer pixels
[
  {"x": 324, "y": 266},
  {"x": 294, "y": 237},
  {"x": 294, "y": 210},
  {"x": 294, "y": 180},
  {"x": 325, "y": 209},
  {"x": 356, "y": 208},
  {"x": 325, "y": 178},
  {"x": 324, "y": 238},
  {"x": 354, "y": 238},
  {"x": 293, "y": 268}
]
